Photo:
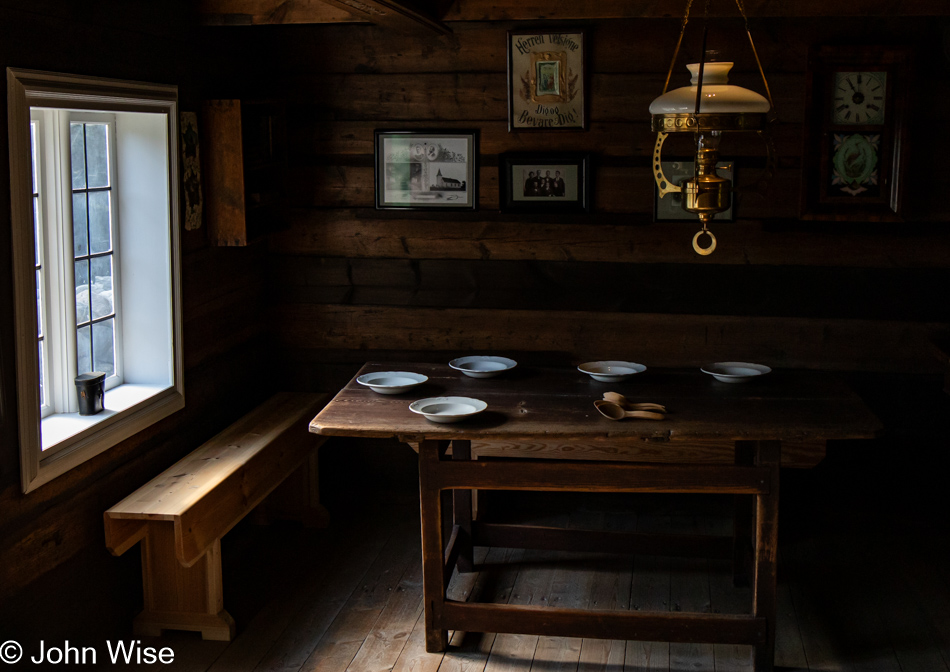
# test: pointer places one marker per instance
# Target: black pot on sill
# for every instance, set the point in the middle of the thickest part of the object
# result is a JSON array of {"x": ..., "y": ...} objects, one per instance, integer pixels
[{"x": 91, "y": 388}]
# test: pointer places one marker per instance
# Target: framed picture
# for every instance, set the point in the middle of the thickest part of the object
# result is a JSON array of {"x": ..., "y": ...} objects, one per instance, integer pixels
[
  {"x": 547, "y": 80},
  {"x": 856, "y": 140},
  {"x": 427, "y": 170},
  {"x": 670, "y": 207},
  {"x": 537, "y": 182}
]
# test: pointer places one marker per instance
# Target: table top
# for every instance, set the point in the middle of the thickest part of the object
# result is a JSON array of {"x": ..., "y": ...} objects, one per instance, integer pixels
[{"x": 538, "y": 403}]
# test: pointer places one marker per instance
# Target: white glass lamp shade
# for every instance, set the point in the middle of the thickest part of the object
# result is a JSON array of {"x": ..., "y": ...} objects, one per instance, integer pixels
[{"x": 718, "y": 96}]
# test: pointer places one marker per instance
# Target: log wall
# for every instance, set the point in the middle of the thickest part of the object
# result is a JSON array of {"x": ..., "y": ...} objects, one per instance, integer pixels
[{"x": 353, "y": 283}]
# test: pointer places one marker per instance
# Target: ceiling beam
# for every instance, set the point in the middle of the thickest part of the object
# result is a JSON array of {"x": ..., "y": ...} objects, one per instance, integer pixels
[
  {"x": 392, "y": 13},
  {"x": 534, "y": 10}
]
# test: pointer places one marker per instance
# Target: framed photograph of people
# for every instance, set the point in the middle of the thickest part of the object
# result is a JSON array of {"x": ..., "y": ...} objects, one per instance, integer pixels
[
  {"x": 427, "y": 169},
  {"x": 670, "y": 207},
  {"x": 536, "y": 182},
  {"x": 547, "y": 80}
]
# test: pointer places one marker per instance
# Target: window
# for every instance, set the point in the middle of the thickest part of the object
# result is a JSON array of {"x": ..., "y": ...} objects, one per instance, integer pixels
[{"x": 96, "y": 262}]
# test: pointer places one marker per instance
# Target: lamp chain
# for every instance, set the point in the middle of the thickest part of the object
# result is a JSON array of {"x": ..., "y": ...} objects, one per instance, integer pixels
[{"x": 669, "y": 74}]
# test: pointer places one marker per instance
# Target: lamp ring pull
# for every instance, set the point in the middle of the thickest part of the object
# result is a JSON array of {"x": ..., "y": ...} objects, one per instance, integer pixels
[{"x": 705, "y": 251}]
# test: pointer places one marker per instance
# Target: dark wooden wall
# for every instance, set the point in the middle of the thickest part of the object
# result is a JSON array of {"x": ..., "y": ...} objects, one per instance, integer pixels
[
  {"x": 353, "y": 283},
  {"x": 222, "y": 292}
]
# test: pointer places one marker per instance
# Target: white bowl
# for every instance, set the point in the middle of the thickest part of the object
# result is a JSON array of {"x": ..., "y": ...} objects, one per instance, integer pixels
[
  {"x": 735, "y": 372},
  {"x": 482, "y": 366},
  {"x": 448, "y": 409},
  {"x": 611, "y": 371},
  {"x": 391, "y": 382}
]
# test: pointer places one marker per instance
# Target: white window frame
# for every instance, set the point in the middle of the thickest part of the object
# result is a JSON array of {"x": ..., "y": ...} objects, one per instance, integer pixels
[{"x": 145, "y": 405}]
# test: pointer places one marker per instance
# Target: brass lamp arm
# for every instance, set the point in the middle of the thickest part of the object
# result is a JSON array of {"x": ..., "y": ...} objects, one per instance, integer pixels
[{"x": 663, "y": 184}]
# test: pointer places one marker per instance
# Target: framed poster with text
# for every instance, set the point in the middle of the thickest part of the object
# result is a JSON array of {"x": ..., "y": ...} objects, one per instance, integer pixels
[{"x": 547, "y": 80}]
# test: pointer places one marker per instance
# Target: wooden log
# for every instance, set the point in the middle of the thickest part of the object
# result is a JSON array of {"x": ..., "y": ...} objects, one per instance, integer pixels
[
  {"x": 358, "y": 233},
  {"x": 667, "y": 340},
  {"x": 616, "y": 189},
  {"x": 640, "y": 625},
  {"x": 313, "y": 142},
  {"x": 393, "y": 98}
]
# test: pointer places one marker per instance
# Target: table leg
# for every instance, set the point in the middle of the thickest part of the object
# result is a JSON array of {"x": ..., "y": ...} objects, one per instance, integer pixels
[
  {"x": 742, "y": 522},
  {"x": 462, "y": 508},
  {"x": 430, "y": 507},
  {"x": 764, "y": 604}
]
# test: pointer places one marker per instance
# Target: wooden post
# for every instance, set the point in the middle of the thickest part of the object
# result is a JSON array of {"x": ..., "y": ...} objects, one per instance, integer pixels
[
  {"x": 742, "y": 522},
  {"x": 462, "y": 508},
  {"x": 430, "y": 506},
  {"x": 764, "y": 602}
]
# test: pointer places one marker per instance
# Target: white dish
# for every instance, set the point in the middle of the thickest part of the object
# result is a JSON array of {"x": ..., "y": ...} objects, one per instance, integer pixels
[
  {"x": 391, "y": 382},
  {"x": 482, "y": 366},
  {"x": 611, "y": 371},
  {"x": 448, "y": 409},
  {"x": 735, "y": 372}
]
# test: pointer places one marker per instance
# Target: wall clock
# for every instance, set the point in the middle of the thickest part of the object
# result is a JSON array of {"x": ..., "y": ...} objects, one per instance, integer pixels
[{"x": 856, "y": 143}]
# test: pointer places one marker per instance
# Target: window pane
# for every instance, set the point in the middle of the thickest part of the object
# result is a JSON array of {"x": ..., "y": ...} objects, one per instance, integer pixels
[
  {"x": 80, "y": 230},
  {"x": 36, "y": 229},
  {"x": 83, "y": 353},
  {"x": 97, "y": 156},
  {"x": 39, "y": 304},
  {"x": 77, "y": 151},
  {"x": 42, "y": 388},
  {"x": 102, "y": 303},
  {"x": 33, "y": 152},
  {"x": 100, "y": 237},
  {"x": 103, "y": 338},
  {"x": 82, "y": 291}
]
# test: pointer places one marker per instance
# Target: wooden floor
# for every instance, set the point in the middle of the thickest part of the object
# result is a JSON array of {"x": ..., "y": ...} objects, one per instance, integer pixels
[{"x": 349, "y": 599}]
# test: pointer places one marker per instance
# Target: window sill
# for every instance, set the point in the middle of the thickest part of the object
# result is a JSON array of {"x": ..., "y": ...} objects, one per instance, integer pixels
[{"x": 62, "y": 426}]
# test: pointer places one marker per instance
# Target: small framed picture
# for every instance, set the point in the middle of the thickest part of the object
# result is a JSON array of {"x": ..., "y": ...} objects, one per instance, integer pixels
[
  {"x": 547, "y": 80},
  {"x": 670, "y": 207},
  {"x": 432, "y": 170},
  {"x": 541, "y": 182}
]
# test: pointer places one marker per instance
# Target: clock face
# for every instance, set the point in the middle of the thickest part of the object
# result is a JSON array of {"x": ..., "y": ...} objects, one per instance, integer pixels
[{"x": 859, "y": 97}]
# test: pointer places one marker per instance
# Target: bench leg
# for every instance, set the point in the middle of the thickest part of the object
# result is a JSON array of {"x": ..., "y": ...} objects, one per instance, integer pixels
[
  {"x": 744, "y": 508},
  {"x": 178, "y": 597},
  {"x": 462, "y": 510}
]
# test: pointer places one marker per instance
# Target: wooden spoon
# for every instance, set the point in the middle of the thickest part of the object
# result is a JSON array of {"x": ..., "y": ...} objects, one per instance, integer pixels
[
  {"x": 615, "y": 411},
  {"x": 622, "y": 401}
]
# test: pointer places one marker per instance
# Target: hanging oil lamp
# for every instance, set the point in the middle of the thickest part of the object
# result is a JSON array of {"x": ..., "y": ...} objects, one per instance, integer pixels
[{"x": 707, "y": 108}]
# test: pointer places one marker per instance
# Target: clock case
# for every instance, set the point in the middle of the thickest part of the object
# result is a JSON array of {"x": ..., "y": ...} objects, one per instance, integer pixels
[{"x": 818, "y": 200}]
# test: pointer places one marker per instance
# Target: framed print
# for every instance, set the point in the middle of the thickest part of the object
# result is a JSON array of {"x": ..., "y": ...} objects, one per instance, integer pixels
[
  {"x": 670, "y": 207},
  {"x": 541, "y": 182},
  {"x": 427, "y": 170},
  {"x": 547, "y": 80},
  {"x": 856, "y": 143}
]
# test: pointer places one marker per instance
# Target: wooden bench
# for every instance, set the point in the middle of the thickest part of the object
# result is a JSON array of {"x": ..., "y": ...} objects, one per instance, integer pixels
[{"x": 181, "y": 514}]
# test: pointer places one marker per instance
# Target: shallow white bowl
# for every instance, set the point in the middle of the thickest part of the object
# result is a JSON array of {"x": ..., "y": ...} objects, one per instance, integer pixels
[
  {"x": 482, "y": 366},
  {"x": 391, "y": 382},
  {"x": 448, "y": 409},
  {"x": 735, "y": 372},
  {"x": 611, "y": 371}
]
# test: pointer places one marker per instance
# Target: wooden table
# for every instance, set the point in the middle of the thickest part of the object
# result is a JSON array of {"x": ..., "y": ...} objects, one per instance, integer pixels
[{"x": 717, "y": 438}]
